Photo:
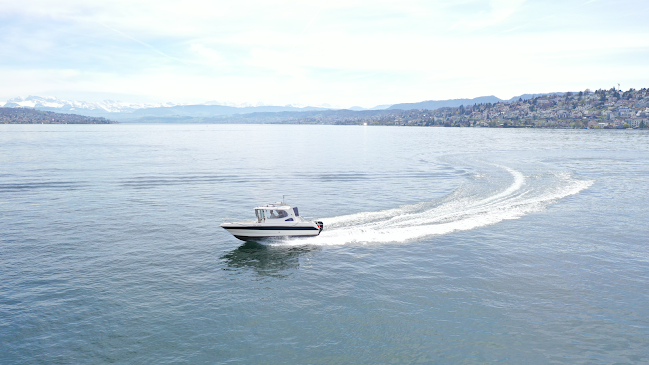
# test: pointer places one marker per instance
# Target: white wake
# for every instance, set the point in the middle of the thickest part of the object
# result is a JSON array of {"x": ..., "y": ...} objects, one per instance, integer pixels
[{"x": 465, "y": 209}]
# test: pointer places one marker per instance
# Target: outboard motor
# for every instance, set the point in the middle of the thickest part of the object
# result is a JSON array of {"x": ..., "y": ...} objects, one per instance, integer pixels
[{"x": 320, "y": 226}]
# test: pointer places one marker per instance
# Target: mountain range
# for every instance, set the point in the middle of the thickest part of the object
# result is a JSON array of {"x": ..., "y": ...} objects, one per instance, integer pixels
[
  {"x": 123, "y": 111},
  {"x": 118, "y": 110}
]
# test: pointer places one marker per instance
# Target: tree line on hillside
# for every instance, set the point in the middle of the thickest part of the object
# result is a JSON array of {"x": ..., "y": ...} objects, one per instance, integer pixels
[{"x": 32, "y": 116}]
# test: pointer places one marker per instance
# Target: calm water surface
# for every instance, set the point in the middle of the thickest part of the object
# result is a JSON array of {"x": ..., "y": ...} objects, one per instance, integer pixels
[{"x": 441, "y": 245}]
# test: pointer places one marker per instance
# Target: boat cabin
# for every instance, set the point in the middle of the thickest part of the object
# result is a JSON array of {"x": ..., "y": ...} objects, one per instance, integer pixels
[{"x": 281, "y": 213}]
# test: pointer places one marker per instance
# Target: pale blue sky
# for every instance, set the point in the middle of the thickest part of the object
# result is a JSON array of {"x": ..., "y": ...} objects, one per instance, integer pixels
[{"x": 338, "y": 52}]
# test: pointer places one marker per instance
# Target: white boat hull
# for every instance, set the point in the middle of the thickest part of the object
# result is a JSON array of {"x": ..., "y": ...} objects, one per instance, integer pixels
[{"x": 256, "y": 230}]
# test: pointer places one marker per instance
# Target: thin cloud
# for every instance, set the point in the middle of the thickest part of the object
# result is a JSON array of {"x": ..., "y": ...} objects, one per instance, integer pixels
[{"x": 140, "y": 42}]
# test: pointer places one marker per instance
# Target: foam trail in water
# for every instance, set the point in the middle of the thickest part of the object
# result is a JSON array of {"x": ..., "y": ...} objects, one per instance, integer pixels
[{"x": 465, "y": 209}]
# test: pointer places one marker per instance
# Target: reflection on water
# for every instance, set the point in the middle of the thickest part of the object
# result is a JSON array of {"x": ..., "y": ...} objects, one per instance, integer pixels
[{"x": 266, "y": 260}]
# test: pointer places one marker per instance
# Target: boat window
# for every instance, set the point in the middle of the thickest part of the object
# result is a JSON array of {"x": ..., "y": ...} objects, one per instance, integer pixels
[
  {"x": 275, "y": 214},
  {"x": 295, "y": 211},
  {"x": 260, "y": 215}
]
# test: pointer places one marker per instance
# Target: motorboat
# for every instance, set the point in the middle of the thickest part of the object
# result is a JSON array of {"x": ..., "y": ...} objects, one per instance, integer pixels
[{"x": 274, "y": 220}]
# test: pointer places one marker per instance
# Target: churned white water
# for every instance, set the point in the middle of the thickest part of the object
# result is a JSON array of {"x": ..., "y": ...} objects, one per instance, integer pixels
[{"x": 484, "y": 200}]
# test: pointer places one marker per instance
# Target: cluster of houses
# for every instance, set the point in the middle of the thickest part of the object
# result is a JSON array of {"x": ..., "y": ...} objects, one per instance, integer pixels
[
  {"x": 601, "y": 109},
  {"x": 585, "y": 109}
]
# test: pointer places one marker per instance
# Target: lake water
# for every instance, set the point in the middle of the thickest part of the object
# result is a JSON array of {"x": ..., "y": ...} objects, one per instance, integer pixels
[{"x": 441, "y": 245}]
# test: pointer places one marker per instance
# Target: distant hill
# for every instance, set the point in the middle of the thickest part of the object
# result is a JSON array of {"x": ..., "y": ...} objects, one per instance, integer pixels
[
  {"x": 327, "y": 116},
  {"x": 454, "y": 103},
  {"x": 378, "y": 107},
  {"x": 436, "y": 104},
  {"x": 531, "y": 96},
  {"x": 31, "y": 116},
  {"x": 215, "y": 110},
  {"x": 196, "y": 111}
]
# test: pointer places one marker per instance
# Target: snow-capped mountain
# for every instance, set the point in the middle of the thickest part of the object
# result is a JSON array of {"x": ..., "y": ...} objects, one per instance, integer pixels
[
  {"x": 106, "y": 106},
  {"x": 118, "y": 110},
  {"x": 116, "y": 106}
]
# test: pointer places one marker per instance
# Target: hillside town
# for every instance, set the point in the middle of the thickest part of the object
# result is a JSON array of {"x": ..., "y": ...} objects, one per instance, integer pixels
[{"x": 601, "y": 109}]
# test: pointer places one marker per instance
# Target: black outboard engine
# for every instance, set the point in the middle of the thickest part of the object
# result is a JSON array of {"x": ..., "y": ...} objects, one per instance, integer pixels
[{"x": 320, "y": 226}]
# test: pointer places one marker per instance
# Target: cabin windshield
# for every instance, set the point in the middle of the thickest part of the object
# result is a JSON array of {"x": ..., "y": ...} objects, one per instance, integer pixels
[{"x": 277, "y": 214}]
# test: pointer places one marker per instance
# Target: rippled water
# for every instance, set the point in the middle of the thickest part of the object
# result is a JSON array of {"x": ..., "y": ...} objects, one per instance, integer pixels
[{"x": 441, "y": 245}]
